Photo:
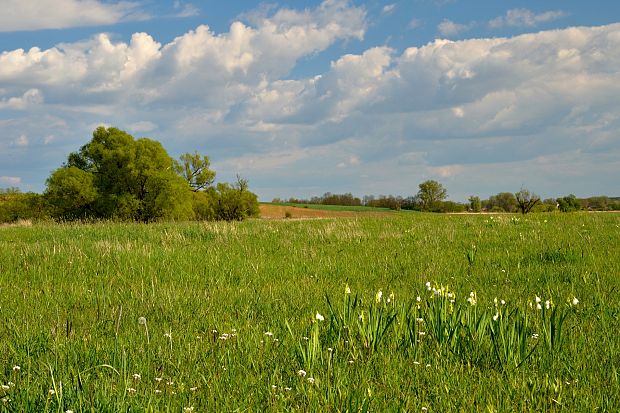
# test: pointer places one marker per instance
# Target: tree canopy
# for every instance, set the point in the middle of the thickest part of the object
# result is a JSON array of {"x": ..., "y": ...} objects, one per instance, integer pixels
[
  {"x": 115, "y": 176},
  {"x": 431, "y": 193}
]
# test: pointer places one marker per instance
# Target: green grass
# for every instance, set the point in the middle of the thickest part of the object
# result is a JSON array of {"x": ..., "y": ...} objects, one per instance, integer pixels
[
  {"x": 72, "y": 298},
  {"x": 332, "y": 207}
]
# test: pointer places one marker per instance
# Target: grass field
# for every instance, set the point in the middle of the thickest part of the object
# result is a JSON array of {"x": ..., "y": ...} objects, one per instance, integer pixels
[
  {"x": 257, "y": 316},
  {"x": 331, "y": 207}
]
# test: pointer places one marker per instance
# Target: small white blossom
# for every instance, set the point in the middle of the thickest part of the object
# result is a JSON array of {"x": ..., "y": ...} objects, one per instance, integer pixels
[
  {"x": 428, "y": 285},
  {"x": 418, "y": 299},
  {"x": 269, "y": 334},
  {"x": 5, "y": 387},
  {"x": 189, "y": 409},
  {"x": 131, "y": 390},
  {"x": 16, "y": 368},
  {"x": 319, "y": 317},
  {"x": 547, "y": 304},
  {"x": 575, "y": 301},
  {"x": 496, "y": 316},
  {"x": 311, "y": 380},
  {"x": 301, "y": 373},
  {"x": 378, "y": 296},
  {"x": 142, "y": 321},
  {"x": 538, "y": 299},
  {"x": 136, "y": 376},
  {"x": 347, "y": 289},
  {"x": 538, "y": 306}
]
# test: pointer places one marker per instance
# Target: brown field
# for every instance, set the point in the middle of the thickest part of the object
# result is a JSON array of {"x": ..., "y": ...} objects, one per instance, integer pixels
[{"x": 279, "y": 212}]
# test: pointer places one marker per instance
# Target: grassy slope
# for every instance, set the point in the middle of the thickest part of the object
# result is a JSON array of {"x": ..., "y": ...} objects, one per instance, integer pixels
[{"x": 71, "y": 297}]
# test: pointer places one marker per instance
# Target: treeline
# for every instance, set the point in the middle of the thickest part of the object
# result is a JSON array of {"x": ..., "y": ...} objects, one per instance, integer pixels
[
  {"x": 431, "y": 197},
  {"x": 118, "y": 177}
]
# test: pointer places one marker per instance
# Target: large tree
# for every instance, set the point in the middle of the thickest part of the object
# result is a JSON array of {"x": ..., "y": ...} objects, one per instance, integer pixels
[
  {"x": 132, "y": 179},
  {"x": 431, "y": 194}
]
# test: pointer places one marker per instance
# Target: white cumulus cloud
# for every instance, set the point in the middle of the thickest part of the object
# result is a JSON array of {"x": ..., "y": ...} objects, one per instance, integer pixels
[
  {"x": 525, "y": 18},
  {"x": 20, "y": 15}
]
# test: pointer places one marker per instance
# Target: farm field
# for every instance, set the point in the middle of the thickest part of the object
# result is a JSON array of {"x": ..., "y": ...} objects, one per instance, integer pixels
[
  {"x": 388, "y": 313},
  {"x": 279, "y": 211}
]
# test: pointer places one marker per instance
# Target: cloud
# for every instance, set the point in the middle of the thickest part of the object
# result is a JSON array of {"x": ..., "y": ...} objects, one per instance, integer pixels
[
  {"x": 30, "y": 98},
  {"x": 11, "y": 180},
  {"x": 449, "y": 28},
  {"x": 524, "y": 18},
  {"x": 18, "y": 15},
  {"x": 21, "y": 141},
  {"x": 388, "y": 9},
  {"x": 444, "y": 110},
  {"x": 186, "y": 9}
]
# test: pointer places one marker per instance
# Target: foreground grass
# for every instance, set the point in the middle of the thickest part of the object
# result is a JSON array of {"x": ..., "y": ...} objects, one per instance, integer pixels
[{"x": 223, "y": 316}]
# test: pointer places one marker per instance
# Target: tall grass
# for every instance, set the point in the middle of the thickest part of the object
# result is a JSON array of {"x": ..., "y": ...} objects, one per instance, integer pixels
[{"x": 287, "y": 315}]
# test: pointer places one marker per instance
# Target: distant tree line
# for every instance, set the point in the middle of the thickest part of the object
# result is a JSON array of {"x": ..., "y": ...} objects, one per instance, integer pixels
[
  {"x": 431, "y": 197},
  {"x": 118, "y": 177}
]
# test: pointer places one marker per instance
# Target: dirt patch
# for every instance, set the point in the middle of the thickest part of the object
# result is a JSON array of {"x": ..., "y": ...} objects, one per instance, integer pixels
[{"x": 280, "y": 212}]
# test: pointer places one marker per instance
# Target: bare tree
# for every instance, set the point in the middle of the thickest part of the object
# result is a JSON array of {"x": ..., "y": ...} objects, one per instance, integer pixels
[{"x": 526, "y": 200}]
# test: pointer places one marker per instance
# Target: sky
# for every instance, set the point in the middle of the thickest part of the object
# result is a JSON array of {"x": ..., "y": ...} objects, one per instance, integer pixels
[{"x": 307, "y": 97}]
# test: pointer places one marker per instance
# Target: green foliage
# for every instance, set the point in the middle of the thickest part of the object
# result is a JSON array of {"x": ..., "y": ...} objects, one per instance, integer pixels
[
  {"x": 431, "y": 194},
  {"x": 502, "y": 202},
  {"x": 194, "y": 169},
  {"x": 569, "y": 203},
  {"x": 234, "y": 202},
  {"x": 16, "y": 206},
  {"x": 116, "y": 176},
  {"x": 71, "y": 193},
  {"x": 475, "y": 205}
]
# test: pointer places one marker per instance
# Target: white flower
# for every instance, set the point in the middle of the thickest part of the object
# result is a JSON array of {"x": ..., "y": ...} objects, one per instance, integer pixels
[
  {"x": 157, "y": 391},
  {"x": 311, "y": 380},
  {"x": 418, "y": 299},
  {"x": 538, "y": 299},
  {"x": 319, "y": 317},
  {"x": 5, "y": 387},
  {"x": 158, "y": 379},
  {"x": 575, "y": 301},
  {"x": 50, "y": 391},
  {"x": 136, "y": 376},
  {"x": 347, "y": 290},
  {"x": 273, "y": 386},
  {"x": 68, "y": 411},
  {"x": 547, "y": 304},
  {"x": 496, "y": 316},
  {"x": 131, "y": 390},
  {"x": 503, "y": 302},
  {"x": 269, "y": 333},
  {"x": 168, "y": 335},
  {"x": 142, "y": 321},
  {"x": 287, "y": 389},
  {"x": 193, "y": 388},
  {"x": 188, "y": 409},
  {"x": 378, "y": 296},
  {"x": 538, "y": 306},
  {"x": 16, "y": 368},
  {"x": 390, "y": 297},
  {"x": 428, "y": 285},
  {"x": 301, "y": 373}
]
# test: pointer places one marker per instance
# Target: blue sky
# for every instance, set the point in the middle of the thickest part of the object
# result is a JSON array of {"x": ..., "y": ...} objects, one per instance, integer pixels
[{"x": 305, "y": 97}]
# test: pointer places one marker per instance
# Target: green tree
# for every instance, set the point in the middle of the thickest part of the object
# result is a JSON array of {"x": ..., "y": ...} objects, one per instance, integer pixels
[
  {"x": 431, "y": 194},
  {"x": 502, "y": 202},
  {"x": 70, "y": 193},
  {"x": 195, "y": 170},
  {"x": 526, "y": 200},
  {"x": 133, "y": 179},
  {"x": 234, "y": 202},
  {"x": 569, "y": 203},
  {"x": 475, "y": 204}
]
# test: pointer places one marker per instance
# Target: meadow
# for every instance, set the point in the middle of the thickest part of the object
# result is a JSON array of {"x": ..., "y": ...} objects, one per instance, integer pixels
[{"x": 409, "y": 312}]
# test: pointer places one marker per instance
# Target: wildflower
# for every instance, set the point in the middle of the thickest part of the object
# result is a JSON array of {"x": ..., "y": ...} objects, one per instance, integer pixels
[
  {"x": 496, "y": 316},
  {"x": 390, "y": 297},
  {"x": 421, "y": 333},
  {"x": 538, "y": 306},
  {"x": 378, "y": 296},
  {"x": 168, "y": 335},
  {"x": 330, "y": 349},
  {"x": 16, "y": 368},
  {"x": 428, "y": 285},
  {"x": 142, "y": 321},
  {"x": 131, "y": 390},
  {"x": 269, "y": 334},
  {"x": 304, "y": 338},
  {"x": 535, "y": 335},
  {"x": 157, "y": 391},
  {"x": 287, "y": 389},
  {"x": 274, "y": 387},
  {"x": 311, "y": 380},
  {"x": 538, "y": 299},
  {"x": 188, "y": 409},
  {"x": 418, "y": 299},
  {"x": 301, "y": 373},
  {"x": 5, "y": 387},
  {"x": 503, "y": 302},
  {"x": 136, "y": 377},
  {"x": 51, "y": 392},
  {"x": 347, "y": 290},
  {"x": 68, "y": 411},
  {"x": 548, "y": 304},
  {"x": 424, "y": 409},
  {"x": 575, "y": 301},
  {"x": 417, "y": 363},
  {"x": 158, "y": 379},
  {"x": 351, "y": 362},
  {"x": 193, "y": 388},
  {"x": 319, "y": 317}
]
